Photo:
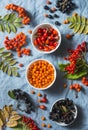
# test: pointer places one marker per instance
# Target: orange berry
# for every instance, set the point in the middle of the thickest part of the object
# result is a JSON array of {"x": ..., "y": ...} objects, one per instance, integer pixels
[
  {"x": 43, "y": 125},
  {"x": 21, "y": 65},
  {"x": 49, "y": 126},
  {"x": 43, "y": 118}
]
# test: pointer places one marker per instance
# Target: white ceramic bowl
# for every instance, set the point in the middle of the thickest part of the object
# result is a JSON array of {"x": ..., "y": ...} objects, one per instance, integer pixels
[
  {"x": 44, "y": 25},
  {"x": 48, "y": 85},
  {"x": 61, "y": 123}
]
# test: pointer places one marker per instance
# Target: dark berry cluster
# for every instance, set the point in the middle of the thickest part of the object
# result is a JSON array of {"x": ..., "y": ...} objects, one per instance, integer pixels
[
  {"x": 23, "y": 98},
  {"x": 63, "y": 111},
  {"x": 65, "y": 6}
]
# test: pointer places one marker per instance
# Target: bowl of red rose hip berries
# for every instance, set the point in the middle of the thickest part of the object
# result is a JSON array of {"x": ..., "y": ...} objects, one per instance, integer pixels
[
  {"x": 63, "y": 112},
  {"x": 46, "y": 38}
]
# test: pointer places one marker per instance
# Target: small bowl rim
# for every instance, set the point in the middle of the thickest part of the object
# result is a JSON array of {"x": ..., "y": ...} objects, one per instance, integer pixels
[
  {"x": 34, "y": 62},
  {"x": 76, "y": 113},
  {"x": 59, "y": 41}
]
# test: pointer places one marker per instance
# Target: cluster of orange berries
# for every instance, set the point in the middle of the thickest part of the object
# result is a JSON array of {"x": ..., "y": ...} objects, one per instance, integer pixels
[
  {"x": 76, "y": 87},
  {"x": 85, "y": 81},
  {"x": 21, "y": 11},
  {"x": 17, "y": 43}
]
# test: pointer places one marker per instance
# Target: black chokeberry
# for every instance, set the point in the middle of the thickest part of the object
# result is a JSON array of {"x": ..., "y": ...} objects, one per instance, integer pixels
[
  {"x": 46, "y": 7},
  {"x": 57, "y": 23},
  {"x": 50, "y": 16}
]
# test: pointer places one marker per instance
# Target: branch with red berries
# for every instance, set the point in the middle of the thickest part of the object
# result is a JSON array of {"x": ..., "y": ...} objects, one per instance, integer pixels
[{"x": 77, "y": 66}]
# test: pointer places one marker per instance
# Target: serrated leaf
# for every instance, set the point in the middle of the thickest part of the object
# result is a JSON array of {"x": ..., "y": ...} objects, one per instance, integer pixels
[
  {"x": 11, "y": 94},
  {"x": 18, "y": 20},
  {"x": 83, "y": 20},
  {"x": 5, "y": 68},
  {"x": 18, "y": 25},
  {"x": 14, "y": 72},
  {"x": 72, "y": 25},
  {"x": 1, "y": 66},
  {"x": 78, "y": 19},
  {"x": 62, "y": 66},
  {"x": 6, "y": 17},
  {"x": 6, "y": 54},
  {"x": 76, "y": 29},
  {"x": 7, "y": 28},
  {"x": 85, "y": 31},
  {"x": 15, "y": 117},
  {"x": 9, "y": 72},
  {"x": 81, "y": 29},
  {"x": 12, "y": 17},
  {"x": 13, "y": 28},
  {"x": 76, "y": 76},
  {"x": 2, "y": 49},
  {"x": 11, "y": 124},
  {"x": 6, "y": 113},
  {"x": 2, "y": 116},
  {"x": 12, "y": 62},
  {"x": 2, "y": 27}
]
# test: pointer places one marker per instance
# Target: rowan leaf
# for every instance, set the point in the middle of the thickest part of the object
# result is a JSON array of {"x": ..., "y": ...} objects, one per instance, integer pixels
[
  {"x": 2, "y": 50},
  {"x": 13, "y": 28},
  {"x": 7, "y": 28}
]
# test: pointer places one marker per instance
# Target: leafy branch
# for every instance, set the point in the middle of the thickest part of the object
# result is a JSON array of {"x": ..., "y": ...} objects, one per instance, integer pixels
[
  {"x": 10, "y": 23},
  {"x": 79, "y": 24},
  {"x": 7, "y": 63}
]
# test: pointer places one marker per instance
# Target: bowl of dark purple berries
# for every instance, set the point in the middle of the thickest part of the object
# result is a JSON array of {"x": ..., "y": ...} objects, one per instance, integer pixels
[{"x": 63, "y": 112}]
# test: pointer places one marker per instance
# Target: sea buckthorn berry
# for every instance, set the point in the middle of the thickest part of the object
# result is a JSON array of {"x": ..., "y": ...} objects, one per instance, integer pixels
[
  {"x": 69, "y": 36},
  {"x": 43, "y": 118},
  {"x": 21, "y": 65},
  {"x": 42, "y": 107},
  {"x": 45, "y": 15},
  {"x": 48, "y": 2},
  {"x": 39, "y": 94},
  {"x": 49, "y": 126},
  {"x": 30, "y": 31},
  {"x": 32, "y": 92},
  {"x": 76, "y": 87},
  {"x": 65, "y": 21},
  {"x": 65, "y": 85},
  {"x": 43, "y": 125},
  {"x": 74, "y": 14}
]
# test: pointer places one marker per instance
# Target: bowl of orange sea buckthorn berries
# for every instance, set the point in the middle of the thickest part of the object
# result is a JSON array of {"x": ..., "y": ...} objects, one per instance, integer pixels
[
  {"x": 40, "y": 74},
  {"x": 46, "y": 38}
]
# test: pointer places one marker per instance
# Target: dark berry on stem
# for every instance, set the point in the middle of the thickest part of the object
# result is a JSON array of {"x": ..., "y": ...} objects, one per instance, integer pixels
[{"x": 46, "y": 7}]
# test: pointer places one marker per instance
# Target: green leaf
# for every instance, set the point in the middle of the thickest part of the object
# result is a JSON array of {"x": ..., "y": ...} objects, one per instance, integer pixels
[
  {"x": 78, "y": 19},
  {"x": 62, "y": 66},
  {"x": 11, "y": 94},
  {"x": 2, "y": 49},
  {"x": 7, "y": 28},
  {"x": 85, "y": 31},
  {"x": 5, "y": 69},
  {"x": 82, "y": 27},
  {"x": 12, "y": 17},
  {"x": 12, "y": 62},
  {"x": 83, "y": 20},
  {"x": 21, "y": 126},
  {"x": 13, "y": 28},
  {"x": 6, "y": 17},
  {"x": 14, "y": 72},
  {"x": 72, "y": 25},
  {"x": 76, "y": 28},
  {"x": 18, "y": 25},
  {"x": 9, "y": 71},
  {"x": 2, "y": 27},
  {"x": 18, "y": 20},
  {"x": 6, "y": 54},
  {"x": 76, "y": 76},
  {"x": 64, "y": 108}
]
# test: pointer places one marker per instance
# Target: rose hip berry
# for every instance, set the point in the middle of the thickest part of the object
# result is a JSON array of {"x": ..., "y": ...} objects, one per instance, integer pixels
[{"x": 46, "y": 39}]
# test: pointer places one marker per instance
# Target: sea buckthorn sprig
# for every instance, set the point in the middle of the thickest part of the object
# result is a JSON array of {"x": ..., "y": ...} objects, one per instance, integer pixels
[
  {"x": 76, "y": 87},
  {"x": 85, "y": 81},
  {"x": 17, "y": 43},
  {"x": 21, "y": 12},
  {"x": 29, "y": 123},
  {"x": 77, "y": 66}
]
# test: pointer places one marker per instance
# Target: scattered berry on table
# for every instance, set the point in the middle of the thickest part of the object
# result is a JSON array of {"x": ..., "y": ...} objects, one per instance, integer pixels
[
  {"x": 56, "y": 16},
  {"x": 39, "y": 94},
  {"x": 69, "y": 36},
  {"x": 85, "y": 81},
  {"x": 49, "y": 126},
  {"x": 32, "y": 92},
  {"x": 30, "y": 31},
  {"x": 21, "y": 65},
  {"x": 43, "y": 107},
  {"x": 53, "y": 9},
  {"x": 48, "y": 2},
  {"x": 74, "y": 14},
  {"x": 43, "y": 118},
  {"x": 65, "y": 21},
  {"x": 46, "y": 7},
  {"x": 43, "y": 125},
  {"x": 45, "y": 15},
  {"x": 76, "y": 87},
  {"x": 65, "y": 85},
  {"x": 50, "y": 16},
  {"x": 57, "y": 23}
]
